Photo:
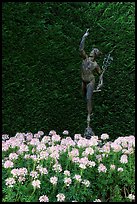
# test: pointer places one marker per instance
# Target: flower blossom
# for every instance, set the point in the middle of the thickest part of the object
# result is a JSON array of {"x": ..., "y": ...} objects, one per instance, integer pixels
[
  {"x": 53, "y": 180},
  {"x": 56, "y": 138},
  {"x": 120, "y": 169},
  {"x": 36, "y": 183},
  {"x": 124, "y": 159},
  {"x": 43, "y": 198},
  {"x": 104, "y": 136},
  {"x": 67, "y": 181},
  {"x": 82, "y": 166},
  {"x": 34, "y": 174},
  {"x": 86, "y": 182},
  {"x": 60, "y": 197},
  {"x": 91, "y": 163},
  {"x": 13, "y": 156},
  {"x": 65, "y": 132},
  {"x": 77, "y": 177},
  {"x": 19, "y": 172},
  {"x": 131, "y": 197},
  {"x": 102, "y": 168},
  {"x": 10, "y": 182},
  {"x": 112, "y": 166},
  {"x": 8, "y": 164},
  {"x": 67, "y": 173},
  {"x": 97, "y": 200},
  {"x": 57, "y": 167}
]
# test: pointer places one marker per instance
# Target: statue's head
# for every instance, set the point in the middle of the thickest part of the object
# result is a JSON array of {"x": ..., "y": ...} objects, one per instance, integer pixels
[{"x": 95, "y": 52}]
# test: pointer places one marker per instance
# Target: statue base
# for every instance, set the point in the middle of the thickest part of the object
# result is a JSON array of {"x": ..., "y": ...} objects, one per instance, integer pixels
[{"x": 88, "y": 133}]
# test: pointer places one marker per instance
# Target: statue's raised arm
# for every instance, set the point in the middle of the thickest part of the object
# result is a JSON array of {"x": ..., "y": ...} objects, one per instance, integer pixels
[{"x": 82, "y": 43}]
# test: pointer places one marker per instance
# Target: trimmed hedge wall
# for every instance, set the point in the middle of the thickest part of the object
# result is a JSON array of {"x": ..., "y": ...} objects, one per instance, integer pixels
[{"x": 41, "y": 83}]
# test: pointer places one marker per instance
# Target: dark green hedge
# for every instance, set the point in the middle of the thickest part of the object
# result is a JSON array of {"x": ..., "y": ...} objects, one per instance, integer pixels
[{"x": 41, "y": 84}]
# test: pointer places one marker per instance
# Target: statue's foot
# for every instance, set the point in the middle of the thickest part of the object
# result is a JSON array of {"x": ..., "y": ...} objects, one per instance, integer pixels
[{"x": 88, "y": 133}]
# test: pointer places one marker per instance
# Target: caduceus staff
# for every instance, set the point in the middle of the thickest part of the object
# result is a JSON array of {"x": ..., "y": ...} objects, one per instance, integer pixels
[{"x": 106, "y": 63}]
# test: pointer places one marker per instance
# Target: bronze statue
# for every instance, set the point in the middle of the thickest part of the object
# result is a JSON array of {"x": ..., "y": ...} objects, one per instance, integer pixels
[{"x": 88, "y": 69}]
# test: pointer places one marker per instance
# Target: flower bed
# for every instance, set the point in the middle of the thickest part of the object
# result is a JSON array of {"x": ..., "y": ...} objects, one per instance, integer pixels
[{"x": 55, "y": 168}]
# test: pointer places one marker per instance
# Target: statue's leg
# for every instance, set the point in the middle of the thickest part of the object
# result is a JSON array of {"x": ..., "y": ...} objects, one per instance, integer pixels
[
  {"x": 90, "y": 89},
  {"x": 84, "y": 89}
]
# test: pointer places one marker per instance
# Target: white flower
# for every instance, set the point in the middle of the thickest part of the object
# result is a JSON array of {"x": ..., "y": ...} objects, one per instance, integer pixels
[
  {"x": 34, "y": 174},
  {"x": 53, "y": 180},
  {"x": 82, "y": 166},
  {"x": 120, "y": 169},
  {"x": 67, "y": 173},
  {"x": 86, "y": 182},
  {"x": 77, "y": 177},
  {"x": 60, "y": 197},
  {"x": 43, "y": 198},
  {"x": 97, "y": 200},
  {"x": 104, "y": 136},
  {"x": 131, "y": 197},
  {"x": 112, "y": 166},
  {"x": 124, "y": 159},
  {"x": 65, "y": 132},
  {"x": 102, "y": 168},
  {"x": 8, "y": 164},
  {"x": 10, "y": 182},
  {"x": 36, "y": 183},
  {"x": 67, "y": 181}
]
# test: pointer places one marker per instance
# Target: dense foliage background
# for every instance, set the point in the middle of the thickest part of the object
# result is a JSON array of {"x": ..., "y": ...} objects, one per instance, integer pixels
[{"x": 41, "y": 83}]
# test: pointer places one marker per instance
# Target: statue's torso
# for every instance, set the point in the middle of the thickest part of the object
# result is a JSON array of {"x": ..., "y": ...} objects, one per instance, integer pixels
[{"x": 88, "y": 70}]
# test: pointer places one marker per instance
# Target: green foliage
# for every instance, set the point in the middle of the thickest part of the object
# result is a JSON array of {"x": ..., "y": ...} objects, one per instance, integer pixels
[
  {"x": 41, "y": 86},
  {"x": 96, "y": 165}
]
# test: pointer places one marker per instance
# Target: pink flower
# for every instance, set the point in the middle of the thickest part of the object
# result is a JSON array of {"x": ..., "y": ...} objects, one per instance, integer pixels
[
  {"x": 46, "y": 139},
  {"x": 19, "y": 172},
  {"x": 57, "y": 167},
  {"x": 67, "y": 173},
  {"x": 43, "y": 198},
  {"x": 102, "y": 168},
  {"x": 60, "y": 197},
  {"x": 104, "y": 136},
  {"x": 124, "y": 159},
  {"x": 53, "y": 180},
  {"x": 21, "y": 179},
  {"x": 77, "y": 136},
  {"x": 56, "y": 138},
  {"x": 34, "y": 174},
  {"x": 74, "y": 153},
  {"x": 36, "y": 183},
  {"x": 67, "y": 181},
  {"x": 29, "y": 136},
  {"x": 91, "y": 163},
  {"x": 40, "y": 147},
  {"x": 116, "y": 147},
  {"x": 8, "y": 164},
  {"x": 10, "y": 182},
  {"x": 13, "y": 156},
  {"x": 112, "y": 166},
  {"x": 52, "y": 132},
  {"x": 89, "y": 151},
  {"x": 77, "y": 177}
]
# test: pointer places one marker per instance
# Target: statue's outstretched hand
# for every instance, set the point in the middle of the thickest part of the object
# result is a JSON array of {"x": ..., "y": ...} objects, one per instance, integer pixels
[{"x": 86, "y": 33}]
